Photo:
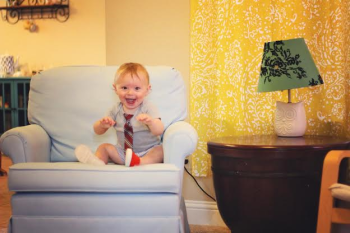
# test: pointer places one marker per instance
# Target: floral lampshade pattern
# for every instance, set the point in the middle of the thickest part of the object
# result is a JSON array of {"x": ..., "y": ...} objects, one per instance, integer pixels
[{"x": 287, "y": 64}]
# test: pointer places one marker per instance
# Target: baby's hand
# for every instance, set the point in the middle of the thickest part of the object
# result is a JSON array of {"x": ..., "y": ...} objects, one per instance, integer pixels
[
  {"x": 107, "y": 122},
  {"x": 144, "y": 118}
]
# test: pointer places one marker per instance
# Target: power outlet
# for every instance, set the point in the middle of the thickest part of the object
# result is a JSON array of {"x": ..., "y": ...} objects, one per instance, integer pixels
[{"x": 188, "y": 163}]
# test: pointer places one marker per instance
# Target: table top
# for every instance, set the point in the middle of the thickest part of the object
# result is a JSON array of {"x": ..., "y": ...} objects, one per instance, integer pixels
[{"x": 275, "y": 142}]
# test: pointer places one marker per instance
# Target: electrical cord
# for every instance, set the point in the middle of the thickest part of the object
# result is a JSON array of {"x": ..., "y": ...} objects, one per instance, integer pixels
[{"x": 199, "y": 185}]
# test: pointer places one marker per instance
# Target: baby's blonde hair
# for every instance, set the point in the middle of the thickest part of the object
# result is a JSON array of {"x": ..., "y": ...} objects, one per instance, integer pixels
[{"x": 131, "y": 68}]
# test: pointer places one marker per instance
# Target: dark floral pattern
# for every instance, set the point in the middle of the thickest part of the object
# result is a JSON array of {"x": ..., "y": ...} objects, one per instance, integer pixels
[
  {"x": 313, "y": 82},
  {"x": 278, "y": 61}
]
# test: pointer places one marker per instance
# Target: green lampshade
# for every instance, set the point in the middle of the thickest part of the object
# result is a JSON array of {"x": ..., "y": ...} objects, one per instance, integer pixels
[{"x": 287, "y": 64}]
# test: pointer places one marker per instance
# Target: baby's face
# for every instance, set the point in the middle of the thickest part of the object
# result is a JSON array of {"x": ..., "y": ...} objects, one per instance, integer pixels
[{"x": 131, "y": 91}]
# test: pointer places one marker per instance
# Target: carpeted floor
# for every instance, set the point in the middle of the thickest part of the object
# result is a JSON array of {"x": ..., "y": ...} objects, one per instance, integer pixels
[
  {"x": 5, "y": 196},
  {"x": 5, "y": 207}
]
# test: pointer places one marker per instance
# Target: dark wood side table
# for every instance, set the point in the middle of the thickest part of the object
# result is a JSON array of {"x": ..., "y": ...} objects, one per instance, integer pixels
[{"x": 270, "y": 184}]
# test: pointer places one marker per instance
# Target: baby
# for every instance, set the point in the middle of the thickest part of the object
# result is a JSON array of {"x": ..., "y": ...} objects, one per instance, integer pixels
[{"x": 136, "y": 121}]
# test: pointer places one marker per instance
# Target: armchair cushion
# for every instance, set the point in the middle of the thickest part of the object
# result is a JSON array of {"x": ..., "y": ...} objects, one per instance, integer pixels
[{"x": 78, "y": 177}]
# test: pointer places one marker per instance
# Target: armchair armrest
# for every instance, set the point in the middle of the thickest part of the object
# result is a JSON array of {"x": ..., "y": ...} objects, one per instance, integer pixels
[
  {"x": 26, "y": 144},
  {"x": 179, "y": 141}
]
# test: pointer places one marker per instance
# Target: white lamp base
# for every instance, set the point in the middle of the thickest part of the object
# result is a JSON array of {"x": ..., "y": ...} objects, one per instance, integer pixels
[{"x": 290, "y": 120}]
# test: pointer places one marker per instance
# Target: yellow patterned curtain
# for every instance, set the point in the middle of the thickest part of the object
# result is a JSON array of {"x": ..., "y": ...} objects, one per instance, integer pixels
[{"x": 227, "y": 39}]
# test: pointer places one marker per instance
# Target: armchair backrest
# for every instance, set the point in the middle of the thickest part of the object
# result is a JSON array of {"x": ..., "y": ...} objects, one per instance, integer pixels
[{"x": 66, "y": 101}]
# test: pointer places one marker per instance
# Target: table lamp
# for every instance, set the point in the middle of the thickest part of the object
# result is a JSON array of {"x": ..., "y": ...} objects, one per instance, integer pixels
[{"x": 286, "y": 65}]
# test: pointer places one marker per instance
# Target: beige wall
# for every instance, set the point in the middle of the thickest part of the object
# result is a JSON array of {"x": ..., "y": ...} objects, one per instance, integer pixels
[
  {"x": 110, "y": 32},
  {"x": 79, "y": 40},
  {"x": 153, "y": 32}
]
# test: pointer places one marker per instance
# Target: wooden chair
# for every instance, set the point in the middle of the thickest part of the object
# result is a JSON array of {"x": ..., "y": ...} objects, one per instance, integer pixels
[{"x": 328, "y": 213}]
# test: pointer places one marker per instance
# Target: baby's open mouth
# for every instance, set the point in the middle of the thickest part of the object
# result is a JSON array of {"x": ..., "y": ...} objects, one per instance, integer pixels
[{"x": 130, "y": 101}]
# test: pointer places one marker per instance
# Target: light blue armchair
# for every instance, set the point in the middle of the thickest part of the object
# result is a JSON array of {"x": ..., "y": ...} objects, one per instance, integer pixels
[{"x": 55, "y": 193}]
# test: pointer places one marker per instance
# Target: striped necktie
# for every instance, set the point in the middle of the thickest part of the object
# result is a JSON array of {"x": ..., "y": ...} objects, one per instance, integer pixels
[{"x": 128, "y": 132}]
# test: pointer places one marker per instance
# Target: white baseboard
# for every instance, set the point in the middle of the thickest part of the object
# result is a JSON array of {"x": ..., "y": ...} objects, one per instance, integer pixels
[{"x": 203, "y": 213}]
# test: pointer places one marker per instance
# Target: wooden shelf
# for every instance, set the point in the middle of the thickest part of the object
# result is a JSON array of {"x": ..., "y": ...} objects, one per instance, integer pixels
[{"x": 12, "y": 14}]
